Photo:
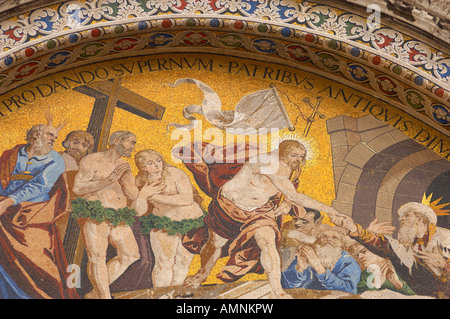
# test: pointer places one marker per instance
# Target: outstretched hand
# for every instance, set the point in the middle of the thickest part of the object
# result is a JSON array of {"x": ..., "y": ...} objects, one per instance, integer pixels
[
  {"x": 342, "y": 220},
  {"x": 383, "y": 228}
]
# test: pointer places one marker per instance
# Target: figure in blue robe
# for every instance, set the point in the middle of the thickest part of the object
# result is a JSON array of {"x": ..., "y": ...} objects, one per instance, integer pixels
[
  {"x": 344, "y": 276},
  {"x": 30, "y": 182}
]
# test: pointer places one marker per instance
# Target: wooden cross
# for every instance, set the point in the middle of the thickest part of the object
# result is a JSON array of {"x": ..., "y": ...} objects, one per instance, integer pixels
[
  {"x": 315, "y": 112},
  {"x": 108, "y": 95}
]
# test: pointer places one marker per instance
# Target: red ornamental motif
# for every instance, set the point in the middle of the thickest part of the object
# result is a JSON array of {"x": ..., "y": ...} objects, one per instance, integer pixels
[
  {"x": 125, "y": 44},
  {"x": 196, "y": 38},
  {"x": 238, "y": 24},
  {"x": 183, "y": 4},
  {"x": 439, "y": 92},
  {"x": 26, "y": 70},
  {"x": 376, "y": 60},
  {"x": 297, "y": 53},
  {"x": 387, "y": 41},
  {"x": 29, "y": 52},
  {"x": 414, "y": 55},
  {"x": 166, "y": 23},
  {"x": 386, "y": 85},
  {"x": 309, "y": 37},
  {"x": 212, "y": 4},
  {"x": 10, "y": 34},
  {"x": 96, "y": 32}
]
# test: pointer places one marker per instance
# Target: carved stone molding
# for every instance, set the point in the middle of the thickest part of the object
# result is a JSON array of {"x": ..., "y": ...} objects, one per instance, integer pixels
[
  {"x": 400, "y": 66},
  {"x": 431, "y": 16}
]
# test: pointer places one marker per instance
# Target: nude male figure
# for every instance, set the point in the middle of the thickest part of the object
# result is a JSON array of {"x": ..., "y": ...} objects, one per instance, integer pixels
[
  {"x": 107, "y": 177},
  {"x": 252, "y": 188}
]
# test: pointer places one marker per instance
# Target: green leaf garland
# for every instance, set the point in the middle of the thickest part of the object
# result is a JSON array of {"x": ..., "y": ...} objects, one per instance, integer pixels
[
  {"x": 173, "y": 227},
  {"x": 82, "y": 208}
]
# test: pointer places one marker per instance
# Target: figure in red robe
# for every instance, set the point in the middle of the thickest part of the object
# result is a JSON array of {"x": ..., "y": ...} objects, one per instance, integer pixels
[{"x": 33, "y": 195}]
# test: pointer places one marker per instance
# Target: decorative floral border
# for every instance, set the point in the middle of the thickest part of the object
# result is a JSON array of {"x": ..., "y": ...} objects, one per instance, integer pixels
[{"x": 337, "y": 42}]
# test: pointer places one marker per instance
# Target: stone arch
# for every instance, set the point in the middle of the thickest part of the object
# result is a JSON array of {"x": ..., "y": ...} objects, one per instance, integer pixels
[
  {"x": 373, "y": 164},
  {"x": 415, "y": 184}
]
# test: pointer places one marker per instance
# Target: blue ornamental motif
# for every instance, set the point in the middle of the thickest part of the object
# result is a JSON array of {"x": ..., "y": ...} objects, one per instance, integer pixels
[{"x": 441, "y": 114}]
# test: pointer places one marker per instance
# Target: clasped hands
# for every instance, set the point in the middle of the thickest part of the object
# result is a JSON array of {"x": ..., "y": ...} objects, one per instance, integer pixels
[{"x": 306, "y": 256}]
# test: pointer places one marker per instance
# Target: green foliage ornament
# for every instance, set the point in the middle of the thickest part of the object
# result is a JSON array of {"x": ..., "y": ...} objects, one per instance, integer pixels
[
  {"x": 173, "y": 227},
  {"x": 82, "y": 208}
]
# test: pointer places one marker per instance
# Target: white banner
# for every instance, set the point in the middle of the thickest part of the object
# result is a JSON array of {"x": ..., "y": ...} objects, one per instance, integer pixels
[{"x": 260, "y": 110}]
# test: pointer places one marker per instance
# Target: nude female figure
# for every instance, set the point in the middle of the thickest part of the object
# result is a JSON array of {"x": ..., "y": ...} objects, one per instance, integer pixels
[{"x": 177, "y": 201}]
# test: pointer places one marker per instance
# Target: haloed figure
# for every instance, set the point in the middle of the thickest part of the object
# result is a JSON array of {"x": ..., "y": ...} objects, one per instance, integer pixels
[{"x": 170, "y": 192}]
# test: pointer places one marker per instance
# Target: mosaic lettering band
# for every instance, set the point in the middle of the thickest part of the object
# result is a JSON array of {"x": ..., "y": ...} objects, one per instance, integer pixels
[{"x": 408, "y": 69}]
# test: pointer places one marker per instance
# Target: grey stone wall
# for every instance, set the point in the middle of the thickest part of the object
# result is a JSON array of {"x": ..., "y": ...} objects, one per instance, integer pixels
[{"x": 377, "y": 168}]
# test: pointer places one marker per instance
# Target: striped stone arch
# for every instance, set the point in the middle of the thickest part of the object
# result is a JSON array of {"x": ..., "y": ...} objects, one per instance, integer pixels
[{"x": 377, "y": 168}]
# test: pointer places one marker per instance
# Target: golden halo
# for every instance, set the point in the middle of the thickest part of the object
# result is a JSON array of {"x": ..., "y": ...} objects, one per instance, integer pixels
[{"x": 307, "y": 143}]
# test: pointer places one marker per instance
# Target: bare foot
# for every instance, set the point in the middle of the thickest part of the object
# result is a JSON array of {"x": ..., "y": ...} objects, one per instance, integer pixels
[{"x": 196, "y": 280}]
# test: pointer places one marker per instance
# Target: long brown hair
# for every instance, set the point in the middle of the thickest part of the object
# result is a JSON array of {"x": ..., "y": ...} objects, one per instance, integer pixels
[
  {"x": 142, "y": 178},
  {"x": 287, "y": 146}
]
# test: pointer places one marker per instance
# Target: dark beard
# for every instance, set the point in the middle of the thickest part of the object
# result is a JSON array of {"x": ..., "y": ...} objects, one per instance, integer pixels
[
  {"x": 76, "y": 155},
  {"x": 292, "y": 165},
  {"x": 123, "y": 152}
]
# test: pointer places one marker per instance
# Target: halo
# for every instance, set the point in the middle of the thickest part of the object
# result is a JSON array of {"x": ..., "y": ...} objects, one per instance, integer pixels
[
  {"x": 435, "y": 205},
  {"x": 307, "y": 143}
]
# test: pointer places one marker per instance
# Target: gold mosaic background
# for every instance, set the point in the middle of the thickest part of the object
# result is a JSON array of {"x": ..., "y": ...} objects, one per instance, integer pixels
[{"x": 317, "y": 179}]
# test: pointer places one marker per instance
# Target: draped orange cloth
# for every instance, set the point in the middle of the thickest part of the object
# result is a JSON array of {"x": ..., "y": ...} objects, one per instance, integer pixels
[
  {"x": 225, "y": 218},
  {"x": 31, "y": 251}
]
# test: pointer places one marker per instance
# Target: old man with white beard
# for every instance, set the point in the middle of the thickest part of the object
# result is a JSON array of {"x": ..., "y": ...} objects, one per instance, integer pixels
[
  {"x": 33, "y": 196},
  {"x": 324, "y": 266},
  {"x": 420, "y": 254}
]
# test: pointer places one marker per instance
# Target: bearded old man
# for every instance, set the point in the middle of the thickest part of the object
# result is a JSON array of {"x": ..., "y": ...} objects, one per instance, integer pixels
[
  {"x": 106, "y": 177},
  {"x": 420, "y": 254},
  {"x": 33, "y": 196},
  {"x": 324, "y": 265}
]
